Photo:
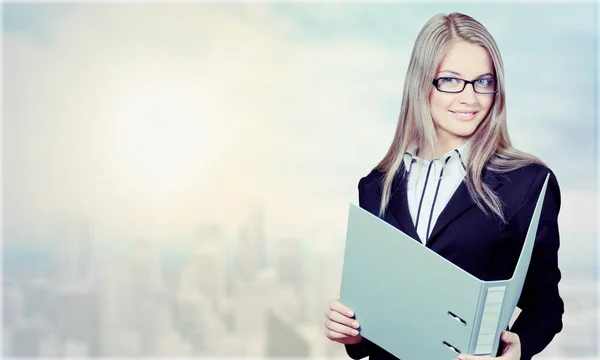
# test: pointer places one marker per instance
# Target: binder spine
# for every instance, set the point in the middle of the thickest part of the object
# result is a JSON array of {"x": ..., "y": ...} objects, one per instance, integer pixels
[
  {"x": 477, "y": 320},
  {"x": 488, "y": 318}
]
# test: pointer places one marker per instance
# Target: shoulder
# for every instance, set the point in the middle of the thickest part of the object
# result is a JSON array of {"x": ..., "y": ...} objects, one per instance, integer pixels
[
  {"x": 373, "y": 179},
  {"x": 372, "y": 183},
  {"x": 370, "y": 188},
  {"x": 528, "y": 174},
  {"x": 529, "y": 178},
  {"x": 521, "y": 187}
]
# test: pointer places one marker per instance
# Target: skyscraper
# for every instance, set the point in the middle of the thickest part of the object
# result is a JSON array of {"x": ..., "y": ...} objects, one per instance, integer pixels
[
  {"x": 252, "y": 252},
  {"x": 283, "y": 340}
]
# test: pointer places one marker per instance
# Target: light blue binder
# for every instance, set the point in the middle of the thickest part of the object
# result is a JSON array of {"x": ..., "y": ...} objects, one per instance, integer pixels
[{"x": 417, "y": 305}]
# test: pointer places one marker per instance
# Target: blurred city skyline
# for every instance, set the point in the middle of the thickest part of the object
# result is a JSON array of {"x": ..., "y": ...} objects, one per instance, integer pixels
[
  {"x": 216, "y": 296},
  {"x": 149, "y": 127}
]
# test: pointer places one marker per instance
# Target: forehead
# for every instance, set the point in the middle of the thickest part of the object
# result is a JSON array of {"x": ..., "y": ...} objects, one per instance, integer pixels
[{"x": 468, "y": 60}]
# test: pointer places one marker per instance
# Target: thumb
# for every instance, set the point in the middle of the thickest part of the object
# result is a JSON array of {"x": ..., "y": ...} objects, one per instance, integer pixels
[
  {"x": 472, "y": 357},
  {"x": 510, "y": 338}
]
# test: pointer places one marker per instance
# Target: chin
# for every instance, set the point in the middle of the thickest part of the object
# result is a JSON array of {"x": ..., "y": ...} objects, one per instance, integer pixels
[
  {"x": 459, "y": 129},
  {"x": 464, "y": 134},
  {"x": 462, "y": 131}
]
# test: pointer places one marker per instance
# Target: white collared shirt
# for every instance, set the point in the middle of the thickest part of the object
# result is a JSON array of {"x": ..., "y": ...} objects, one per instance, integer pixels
[{"x": 442, "y": 175}]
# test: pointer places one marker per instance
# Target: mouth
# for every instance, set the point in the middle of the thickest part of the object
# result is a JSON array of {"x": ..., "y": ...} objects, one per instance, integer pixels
[{"x": 464, "y": 115}]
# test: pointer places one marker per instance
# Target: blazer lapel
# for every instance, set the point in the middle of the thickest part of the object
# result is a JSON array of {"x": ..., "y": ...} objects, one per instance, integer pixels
[
  {"x": 459, "y": 203},
  {"x": 398, "y": 210}
]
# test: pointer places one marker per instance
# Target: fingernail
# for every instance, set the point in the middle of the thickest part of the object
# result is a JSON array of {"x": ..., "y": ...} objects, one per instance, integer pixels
[
  {"x": 355, "y": 324},
  {"x": 350, "y": 313},
  {"x": 354, "y": 332}
]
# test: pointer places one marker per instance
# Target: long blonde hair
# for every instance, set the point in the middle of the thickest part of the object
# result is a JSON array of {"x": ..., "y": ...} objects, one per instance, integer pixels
[{"x": 490, "y": 145}]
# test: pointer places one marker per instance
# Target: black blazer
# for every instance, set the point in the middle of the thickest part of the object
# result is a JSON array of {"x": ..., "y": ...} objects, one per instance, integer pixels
[{"x": 486, "y": 248}]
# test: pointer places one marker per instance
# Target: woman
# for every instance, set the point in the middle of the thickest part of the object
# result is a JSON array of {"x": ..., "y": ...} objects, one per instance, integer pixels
[{"x": 452, "y": 180}]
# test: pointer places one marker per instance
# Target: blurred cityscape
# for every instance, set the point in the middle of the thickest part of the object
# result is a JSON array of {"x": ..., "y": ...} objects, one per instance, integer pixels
[
  {"x": 159, "y": 124},
  {"x": 213, "y": 296}
]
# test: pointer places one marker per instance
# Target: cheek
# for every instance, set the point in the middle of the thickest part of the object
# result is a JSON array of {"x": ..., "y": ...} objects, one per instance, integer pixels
[
  {"x": 486, "y": 104},
  {"x": 439, "y": 103}
]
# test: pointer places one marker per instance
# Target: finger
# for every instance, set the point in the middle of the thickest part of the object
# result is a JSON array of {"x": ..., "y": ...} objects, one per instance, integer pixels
[
  {"x": 334, "y": 335},
  {"x": 473, "y": 357},
  {"x": 339, "y": 328},
  {"x": 342, "y": 319},
  {"x": 335, "y": 305},
  {"x": 510, "y": 337}
]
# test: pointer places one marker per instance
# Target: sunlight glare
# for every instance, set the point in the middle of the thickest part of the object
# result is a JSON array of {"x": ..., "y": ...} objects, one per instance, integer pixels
[{"x": 164, "y": 135}]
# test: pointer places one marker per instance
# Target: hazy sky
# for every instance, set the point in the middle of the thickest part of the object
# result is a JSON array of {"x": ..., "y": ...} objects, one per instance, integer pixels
[{"x": 144, "y": 116}]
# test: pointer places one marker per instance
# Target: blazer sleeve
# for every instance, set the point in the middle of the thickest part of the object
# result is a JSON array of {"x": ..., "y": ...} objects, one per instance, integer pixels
[
  {"x": 541, "y": 304},
  {"x": 363, "y": 348}
]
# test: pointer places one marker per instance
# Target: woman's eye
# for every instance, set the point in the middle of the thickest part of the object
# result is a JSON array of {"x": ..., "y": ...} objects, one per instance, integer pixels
[{"x": 448, "y": 80}]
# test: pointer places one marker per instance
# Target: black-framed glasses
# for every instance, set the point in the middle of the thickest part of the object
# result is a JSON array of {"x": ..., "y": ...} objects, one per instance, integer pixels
[{"x": 456, "y": 85}]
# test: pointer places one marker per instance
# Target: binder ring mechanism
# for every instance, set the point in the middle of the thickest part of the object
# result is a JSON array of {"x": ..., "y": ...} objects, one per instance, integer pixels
[
  {"x": 463, "y": 322},
  {"x": 457, "y": 318},
  {"x": 451, "y": 347}
]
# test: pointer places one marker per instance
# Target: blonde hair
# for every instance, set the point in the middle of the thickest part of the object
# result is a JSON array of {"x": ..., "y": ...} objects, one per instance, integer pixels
[{"x": 490, "y": 145}]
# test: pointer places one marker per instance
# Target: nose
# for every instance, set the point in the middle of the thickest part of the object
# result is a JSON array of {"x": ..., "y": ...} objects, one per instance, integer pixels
[{"x": 468, "y": 95}]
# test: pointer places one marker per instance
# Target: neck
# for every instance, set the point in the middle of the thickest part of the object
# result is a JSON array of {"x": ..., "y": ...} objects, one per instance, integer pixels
[{"x": 443, "y": 146}]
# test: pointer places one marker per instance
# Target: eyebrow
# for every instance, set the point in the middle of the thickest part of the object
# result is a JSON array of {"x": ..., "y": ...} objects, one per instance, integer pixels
[{"x": 458, "y": 74}]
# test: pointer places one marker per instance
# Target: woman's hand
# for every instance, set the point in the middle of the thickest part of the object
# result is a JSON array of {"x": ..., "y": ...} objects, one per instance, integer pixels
[
  {"x": 511, "y": 349},
  {"x": 340, "y": 325}
]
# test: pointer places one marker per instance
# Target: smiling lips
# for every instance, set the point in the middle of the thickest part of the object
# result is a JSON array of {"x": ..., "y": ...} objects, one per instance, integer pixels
[{"x": 464, "y": 115}]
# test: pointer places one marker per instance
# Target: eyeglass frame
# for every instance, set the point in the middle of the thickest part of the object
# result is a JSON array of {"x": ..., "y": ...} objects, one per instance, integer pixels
[{"x": 466, "y": 82}]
